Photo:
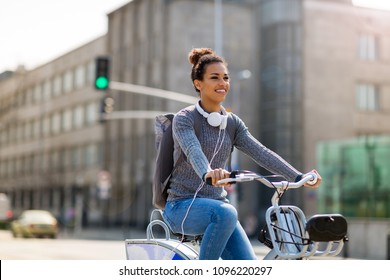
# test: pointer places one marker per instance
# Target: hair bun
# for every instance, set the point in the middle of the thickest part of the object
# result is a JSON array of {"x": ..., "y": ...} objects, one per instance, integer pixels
[{"x": 196, "y": 53}]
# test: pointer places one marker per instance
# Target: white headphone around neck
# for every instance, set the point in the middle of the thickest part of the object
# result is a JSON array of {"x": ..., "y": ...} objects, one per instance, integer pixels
[{"x": 214, "y": 119}]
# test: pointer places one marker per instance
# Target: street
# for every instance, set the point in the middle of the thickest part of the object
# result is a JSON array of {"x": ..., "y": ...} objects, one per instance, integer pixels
[
  {"x": 59, "y": 249},
  {"x": 88, "y": 246}
]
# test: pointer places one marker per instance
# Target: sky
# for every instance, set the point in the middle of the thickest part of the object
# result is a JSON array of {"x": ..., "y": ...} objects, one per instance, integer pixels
[
  {"x": 34, "y": 32},
  {"x": 376, "y": 4}
]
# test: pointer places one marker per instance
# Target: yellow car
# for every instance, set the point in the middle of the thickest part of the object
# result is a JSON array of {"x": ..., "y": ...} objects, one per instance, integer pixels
[{"x": 35, "y": 223}]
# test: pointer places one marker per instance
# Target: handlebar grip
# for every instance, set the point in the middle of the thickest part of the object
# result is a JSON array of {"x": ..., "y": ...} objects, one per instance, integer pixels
[
  {"x": 232, "y": 175},
  {"x": 314, "y": 178},
  {"x": 312, "y": 182}
]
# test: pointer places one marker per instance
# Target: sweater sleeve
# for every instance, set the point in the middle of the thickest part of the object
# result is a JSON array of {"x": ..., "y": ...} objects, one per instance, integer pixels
[
  {"x": 263, "y": 156},
  {"x": 184, "y": 134}
]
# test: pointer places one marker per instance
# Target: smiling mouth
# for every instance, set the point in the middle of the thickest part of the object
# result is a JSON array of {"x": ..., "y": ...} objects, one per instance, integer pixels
[{"x": 221, "y": 91}]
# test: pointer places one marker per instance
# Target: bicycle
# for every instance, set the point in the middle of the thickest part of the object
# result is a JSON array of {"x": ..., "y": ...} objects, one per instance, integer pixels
[{"x": 287, "y": 233}]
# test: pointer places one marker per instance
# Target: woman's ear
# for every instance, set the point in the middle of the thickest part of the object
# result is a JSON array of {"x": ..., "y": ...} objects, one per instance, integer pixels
[{"x": 197, "y": 84}]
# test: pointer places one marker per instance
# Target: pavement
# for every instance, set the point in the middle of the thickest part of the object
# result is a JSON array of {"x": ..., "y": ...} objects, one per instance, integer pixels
[
  {"x": 120, "y": 234},
  {"x": 117, "y": 233},
  {"x": 132, "y": 233}
]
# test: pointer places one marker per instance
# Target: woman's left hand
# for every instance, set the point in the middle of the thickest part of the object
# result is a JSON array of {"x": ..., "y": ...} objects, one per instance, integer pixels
[{"x": 315, "y": 184}]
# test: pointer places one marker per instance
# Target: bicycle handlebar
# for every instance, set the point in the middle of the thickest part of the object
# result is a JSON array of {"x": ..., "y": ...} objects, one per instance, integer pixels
[{"x": 237, "y": 176}]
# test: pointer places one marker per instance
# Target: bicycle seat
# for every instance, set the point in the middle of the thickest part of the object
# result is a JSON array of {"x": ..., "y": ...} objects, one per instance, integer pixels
[
  {"x": 188, "y": 238},
  {"x": 180, "y": 236}
]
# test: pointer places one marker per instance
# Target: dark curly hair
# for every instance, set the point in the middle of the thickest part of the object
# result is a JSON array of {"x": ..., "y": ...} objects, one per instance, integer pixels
[{"x": 200, "y": 58}]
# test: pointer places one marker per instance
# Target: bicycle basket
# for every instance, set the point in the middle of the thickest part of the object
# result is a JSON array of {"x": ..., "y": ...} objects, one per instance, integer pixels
[
  {"x": 286, "y": 228},
  {"x": 325, "y": 228}
]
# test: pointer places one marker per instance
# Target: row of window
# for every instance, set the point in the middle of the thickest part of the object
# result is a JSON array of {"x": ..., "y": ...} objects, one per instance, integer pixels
[
  {"x": 73, "y": 118},
  {"x": 65, "y": 159},
  {"x": 58, "y": 85}
]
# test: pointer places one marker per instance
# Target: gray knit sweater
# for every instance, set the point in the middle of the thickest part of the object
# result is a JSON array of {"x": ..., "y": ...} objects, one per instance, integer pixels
[{"x": 187, "y": 175}]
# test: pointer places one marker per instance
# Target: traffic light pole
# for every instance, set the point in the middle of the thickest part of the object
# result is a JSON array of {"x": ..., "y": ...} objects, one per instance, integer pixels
[
  {"x": 143, "y": 90},
  {"x": 132, "y": 114},
  {"x": 131, "y": 88}
]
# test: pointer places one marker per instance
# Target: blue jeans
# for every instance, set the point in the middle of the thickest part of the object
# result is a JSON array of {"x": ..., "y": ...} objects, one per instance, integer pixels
[{"x": 217, "y": 221}]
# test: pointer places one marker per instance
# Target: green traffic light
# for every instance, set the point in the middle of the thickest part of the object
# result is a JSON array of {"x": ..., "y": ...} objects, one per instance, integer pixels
[{"x": 101, "y": 82}]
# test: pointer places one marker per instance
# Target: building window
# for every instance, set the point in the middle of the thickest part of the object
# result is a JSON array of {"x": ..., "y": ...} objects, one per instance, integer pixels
[
  {"x": 367, "y": 47},
  {"x": 56, "y": 123},
  {"x": 46, "y": 92},
  {"x": 57, "y": 86},
  {"x": 61, "y": 160},
  {"x": 46, "y": 126},
  {"x": 37, "y": 94},
  {"x": 54, "y": 160},
  {"x": 76, "y": 157},
  {"x": 67, "y": 120},
  {"x": 18, "y": 166},
  {"x": 21, "y": 99},
  {"x": 91, "y": 155},
  {"x": 78, "y": 116},
  {"x": 27, "y": 130},
  {"x": 67, "y": 161},
  {"x": 36, "y": 128},
  {"x": 80, "y": 76},
  {"x": 12, "y": 134},
  {"x": 367, "y": 97},
  {"x": 91, "y": 113},
  {"x": 19, "y": 133},
  {"x": 2, "y": 168},
  {"x": 68, "y": 81},
  {"x": 29, "y": 96}
]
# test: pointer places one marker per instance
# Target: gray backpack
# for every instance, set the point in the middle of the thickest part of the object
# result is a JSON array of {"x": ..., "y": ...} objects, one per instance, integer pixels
[{"x": 165, "y": 160}]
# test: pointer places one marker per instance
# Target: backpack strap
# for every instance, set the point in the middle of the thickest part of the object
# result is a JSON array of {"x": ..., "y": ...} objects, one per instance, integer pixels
[{"x": 197, "y": 128}]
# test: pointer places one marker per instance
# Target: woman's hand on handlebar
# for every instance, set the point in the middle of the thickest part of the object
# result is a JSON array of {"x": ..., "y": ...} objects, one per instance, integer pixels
[
  {"x": 313, "y": 184},
  {"x": 213, "y": 176}
]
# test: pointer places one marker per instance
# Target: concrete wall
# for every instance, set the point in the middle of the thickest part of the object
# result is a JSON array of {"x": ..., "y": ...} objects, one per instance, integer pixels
[{"x": 368, "y": 239}]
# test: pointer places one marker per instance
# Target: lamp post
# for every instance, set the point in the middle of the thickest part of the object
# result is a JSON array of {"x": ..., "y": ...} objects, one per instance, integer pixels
[
  {"x": 241, "y": 76},
  {"x": 218, "y": 26}
]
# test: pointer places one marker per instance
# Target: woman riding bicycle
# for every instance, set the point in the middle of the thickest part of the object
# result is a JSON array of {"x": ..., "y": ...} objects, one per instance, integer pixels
[{"x": 194, "y": 207}]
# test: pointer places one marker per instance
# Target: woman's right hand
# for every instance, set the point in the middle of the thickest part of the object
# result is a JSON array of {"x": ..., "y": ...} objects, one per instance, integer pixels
[{"x": 217, "y": 174}]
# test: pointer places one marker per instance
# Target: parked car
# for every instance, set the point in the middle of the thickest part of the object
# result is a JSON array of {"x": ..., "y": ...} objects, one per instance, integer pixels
[
  {"x": 35, "y": 223},
  {"x": 5, "y": 211}
]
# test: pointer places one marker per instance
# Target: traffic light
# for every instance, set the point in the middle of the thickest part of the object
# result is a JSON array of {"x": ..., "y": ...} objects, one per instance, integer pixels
[
  {"x": 106, "y": 107},
  {"x": 102, "y": 77}
]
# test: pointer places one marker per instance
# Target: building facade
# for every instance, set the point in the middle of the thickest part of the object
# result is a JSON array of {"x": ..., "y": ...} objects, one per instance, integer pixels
[
  {"x": 51, "y": 140},
  {"x": 149, "y": 42}
]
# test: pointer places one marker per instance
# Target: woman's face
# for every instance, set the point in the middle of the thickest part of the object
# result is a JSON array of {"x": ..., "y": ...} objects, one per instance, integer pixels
[{"x": 215, "y": 84}]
